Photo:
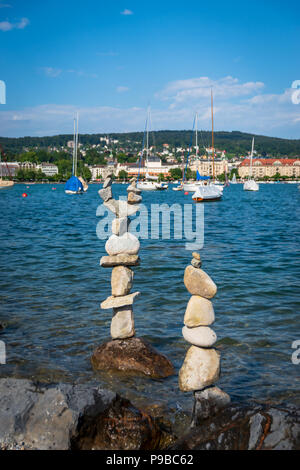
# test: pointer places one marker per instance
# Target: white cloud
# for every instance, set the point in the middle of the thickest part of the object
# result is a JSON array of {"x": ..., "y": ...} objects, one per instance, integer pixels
[
  {"x": 122, "y": 89},
  {"x": 183, "y": 91},
  {"x": 51, "y": 72},
  {"x": 55, "y": 72},
  {"x": 8, "y": 26},
  {"x": 126, "y": 12},
  {"x": 258, "y": 113}
]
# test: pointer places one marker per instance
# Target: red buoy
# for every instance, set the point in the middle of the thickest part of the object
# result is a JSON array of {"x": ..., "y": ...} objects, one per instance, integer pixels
[
  {"x": 24, "y": 195},
  {"x": 186, "y": 193}
]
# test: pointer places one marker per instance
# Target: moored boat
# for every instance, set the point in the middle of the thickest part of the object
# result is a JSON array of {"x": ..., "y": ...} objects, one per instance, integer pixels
[{"x": 250, "y": 184}]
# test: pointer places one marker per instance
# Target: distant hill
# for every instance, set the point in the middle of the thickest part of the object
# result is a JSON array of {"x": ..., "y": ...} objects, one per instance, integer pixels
[{"x": 235, "y": 142}]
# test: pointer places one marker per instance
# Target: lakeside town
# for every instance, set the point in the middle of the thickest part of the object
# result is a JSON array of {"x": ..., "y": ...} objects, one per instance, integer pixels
[{"x": 165, "y": 163}]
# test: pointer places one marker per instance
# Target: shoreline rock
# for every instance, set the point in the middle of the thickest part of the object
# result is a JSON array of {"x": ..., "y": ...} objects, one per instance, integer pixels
[
  {"x": 133, "y": 355},
  {"x": 245, "y": 427},
  {"x": 73, "y": 417}
]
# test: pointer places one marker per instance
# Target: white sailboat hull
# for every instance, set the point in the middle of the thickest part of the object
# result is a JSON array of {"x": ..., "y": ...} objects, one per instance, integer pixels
[
  {"x": 207, "y": 193},
  {"x": 6, "y": 184},
  {"x": 147, "y": 186},
  {"x": 68, "y": 191},
  {"x": 251, "y": 185}
]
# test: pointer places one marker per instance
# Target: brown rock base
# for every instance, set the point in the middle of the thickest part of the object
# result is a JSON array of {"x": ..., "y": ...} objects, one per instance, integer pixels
[{"x": 132, "y": 355}]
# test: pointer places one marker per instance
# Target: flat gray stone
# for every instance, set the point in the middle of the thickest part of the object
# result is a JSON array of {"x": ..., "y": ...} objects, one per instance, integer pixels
[
  {"x": 119, "y": 260},
  {"x": 115, "y": 302}
]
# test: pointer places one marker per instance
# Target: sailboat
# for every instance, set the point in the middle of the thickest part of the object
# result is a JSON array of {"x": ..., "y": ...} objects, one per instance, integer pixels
[
  {"x": 233, "y": 179},
  {"x": 150, "y": 183},
  {"x": 4, "y": 183},
  {"x": 75, "y": 185},
  {"x": 251, "y": 184},
  {"x": 189, "y": 186},
  {"x": 209, "y": 191}
]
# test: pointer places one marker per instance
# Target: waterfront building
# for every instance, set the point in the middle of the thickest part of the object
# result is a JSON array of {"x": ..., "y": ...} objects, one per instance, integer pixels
[
  {"x": 269, "y": 167},
  {"x": 9, "y": 169},
  {"x": 205, "y": 167},
  {"x": 49, "y": 169},
  {"x": 97, "y": 171}
]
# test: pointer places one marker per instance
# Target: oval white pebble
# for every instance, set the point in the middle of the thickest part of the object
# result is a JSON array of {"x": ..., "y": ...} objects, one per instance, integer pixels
[{"x": 201, "y": 336}]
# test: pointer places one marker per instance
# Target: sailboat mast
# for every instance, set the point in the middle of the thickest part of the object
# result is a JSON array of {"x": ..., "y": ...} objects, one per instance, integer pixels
[
  {"x": 76, "y": 146},
  {"x": 251, "y": 156},
  {"x": 212, "y": 135},
  {"x": 147, "y": 142},
  {"x": 196, "y": 135},
  {"x": 74, "y": 143}
]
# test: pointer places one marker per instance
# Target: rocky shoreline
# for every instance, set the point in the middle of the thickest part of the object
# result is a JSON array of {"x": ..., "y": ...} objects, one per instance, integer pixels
[{"x": 36, "y": 416}]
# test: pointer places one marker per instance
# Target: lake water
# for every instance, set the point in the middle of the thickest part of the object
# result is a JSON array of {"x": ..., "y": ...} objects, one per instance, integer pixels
[{"x": 51, "y": 286}]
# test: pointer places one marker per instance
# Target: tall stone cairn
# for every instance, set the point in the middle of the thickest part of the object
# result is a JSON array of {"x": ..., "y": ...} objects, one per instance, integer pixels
[
  {"x": 122, "y": 248},
  {"x": 125, "y": 352},
  {"x": 201, "y": 366}
]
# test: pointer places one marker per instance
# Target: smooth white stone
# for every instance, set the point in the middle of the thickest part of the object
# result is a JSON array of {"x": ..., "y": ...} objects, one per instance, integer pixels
[
  {"x": 125, "y": 244},
  {"x": 201, "y": 368},
  {"x": 199, "y": 312},
  {"x": 201, "y": 336}
]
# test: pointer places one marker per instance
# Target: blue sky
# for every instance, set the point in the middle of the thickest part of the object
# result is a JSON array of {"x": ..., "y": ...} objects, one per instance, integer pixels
[{"x": 111, "y": 60}]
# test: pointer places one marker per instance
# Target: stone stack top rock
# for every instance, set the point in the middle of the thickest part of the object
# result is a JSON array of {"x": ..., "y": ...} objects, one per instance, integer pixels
[
  {"x": 198, "y": 282},
  {"x": 196, "y": 261}
]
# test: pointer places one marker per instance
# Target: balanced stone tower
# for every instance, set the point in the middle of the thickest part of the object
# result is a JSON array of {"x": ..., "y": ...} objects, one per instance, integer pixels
[
  {"x": 125, "y": 352},
  {"x": 201, "y": 367}
]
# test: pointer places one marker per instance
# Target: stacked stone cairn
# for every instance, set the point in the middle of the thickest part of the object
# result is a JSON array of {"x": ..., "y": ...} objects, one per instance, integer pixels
[
  {"x": 201, "y": 367},
  {"x": 122, "y": 248},
  {"x": 125, "y": 352}
]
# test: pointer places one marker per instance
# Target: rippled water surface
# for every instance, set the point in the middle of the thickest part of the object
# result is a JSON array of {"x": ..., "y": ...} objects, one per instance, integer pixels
[{"x": 51, "y": 286}]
